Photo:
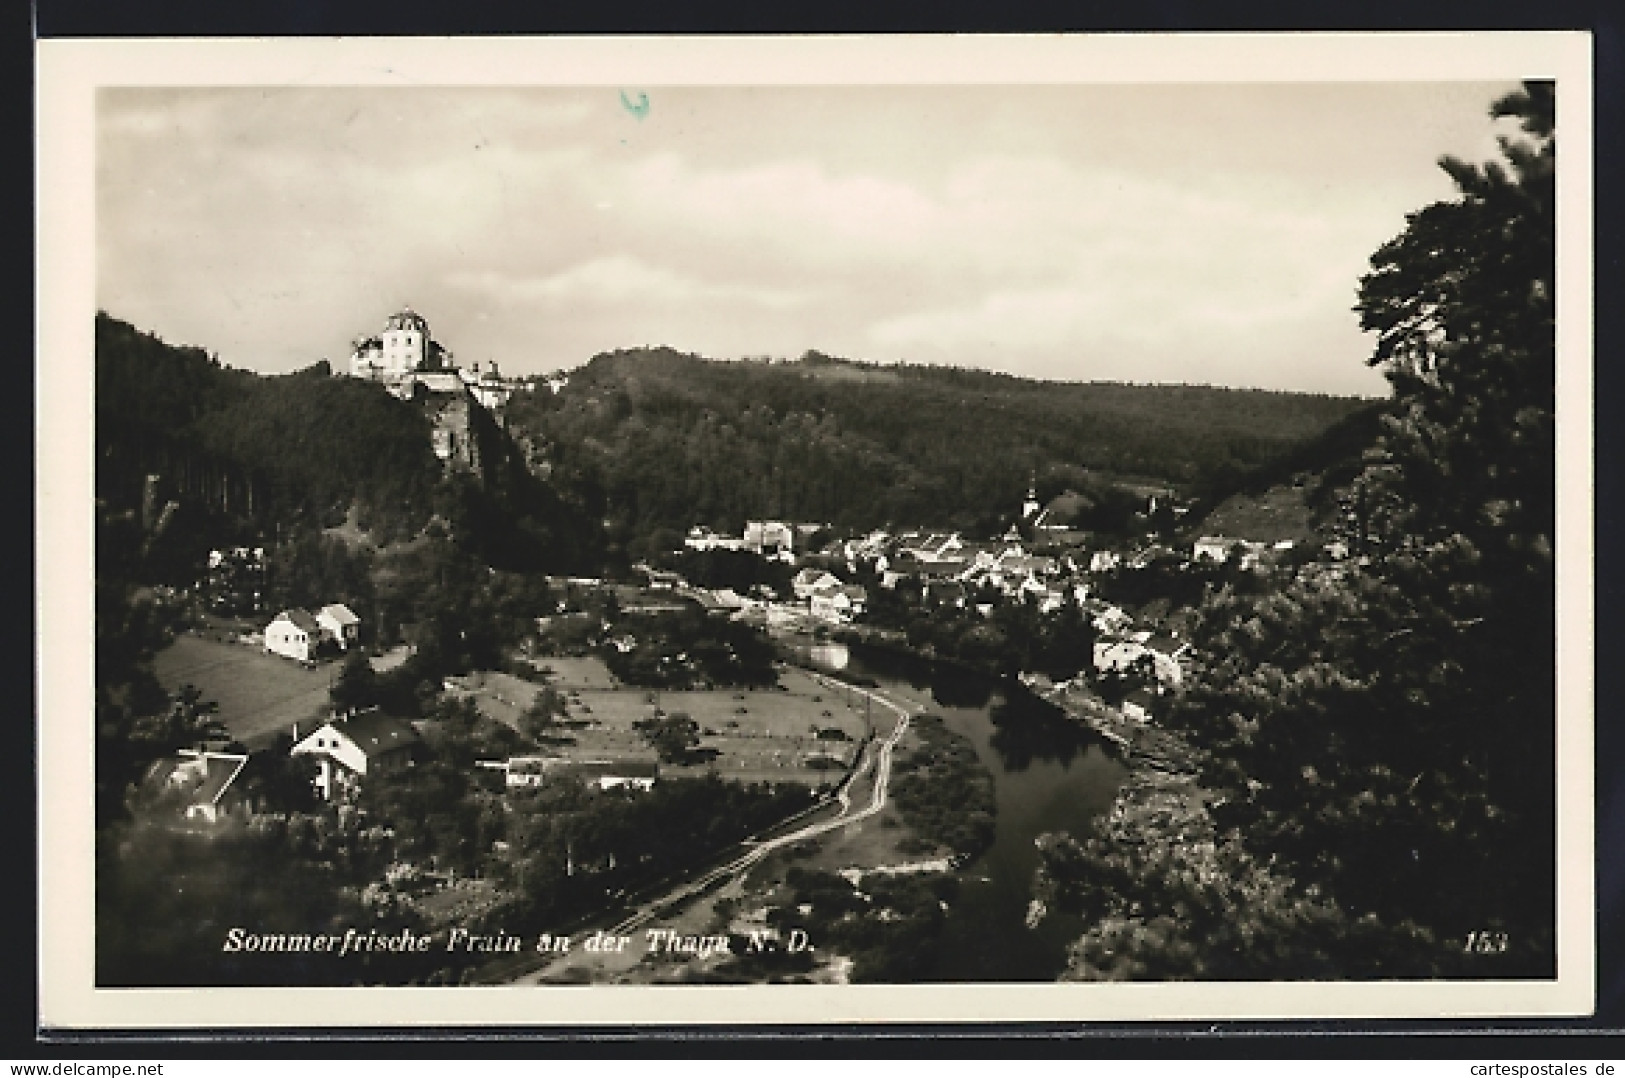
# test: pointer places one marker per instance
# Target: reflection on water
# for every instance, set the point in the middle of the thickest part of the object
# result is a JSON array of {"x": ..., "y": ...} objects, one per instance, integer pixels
[
  {"x": 1027, "y": 728},
  {"x": 1049, "y": 774}
]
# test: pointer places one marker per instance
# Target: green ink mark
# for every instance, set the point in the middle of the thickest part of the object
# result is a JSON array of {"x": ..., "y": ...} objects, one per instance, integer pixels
[{"x": 638, "y": 108}]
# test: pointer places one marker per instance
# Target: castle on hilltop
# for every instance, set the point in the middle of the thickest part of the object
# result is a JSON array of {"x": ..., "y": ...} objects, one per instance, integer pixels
[
  {"x": 413, "y": 366},
  {"x": 407, "y": 359}
]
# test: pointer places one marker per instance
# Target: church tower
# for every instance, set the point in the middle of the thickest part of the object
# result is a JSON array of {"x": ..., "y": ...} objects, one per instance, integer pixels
[{"x": 1030, "y": 507}]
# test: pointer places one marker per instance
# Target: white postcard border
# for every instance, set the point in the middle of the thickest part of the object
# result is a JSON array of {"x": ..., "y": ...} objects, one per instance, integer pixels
[{"x": 69, "y": 71}]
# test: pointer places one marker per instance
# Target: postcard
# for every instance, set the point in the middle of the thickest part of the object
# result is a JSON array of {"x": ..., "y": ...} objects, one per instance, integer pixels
[{"x": 632, "y": 531}]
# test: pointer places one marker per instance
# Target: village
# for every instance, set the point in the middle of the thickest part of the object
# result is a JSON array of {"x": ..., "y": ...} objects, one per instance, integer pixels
[
  {"x": 939, "y": 571},
  {"x": 692, "y": 662}
]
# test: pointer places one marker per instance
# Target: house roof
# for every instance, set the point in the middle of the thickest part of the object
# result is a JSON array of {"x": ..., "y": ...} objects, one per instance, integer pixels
[
  {"x": 948, "y": 567},
  {"x": 219, "y": 770},
  {"x": 300, "y": 618},
  {"x": 440, "y": 382},
  {"x": 375, "y": 732},
  {"x": 341, "y": 614},
  {"x": 407, "y": 318}
]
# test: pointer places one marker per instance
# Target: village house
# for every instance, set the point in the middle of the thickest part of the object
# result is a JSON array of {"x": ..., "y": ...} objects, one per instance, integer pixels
[
  {"x": 838, "y": 602},
  {"x": 770, "y": 538},
  {"x": 293, "y": 634},
  {"x": 1219, "y": 548},
  {"x": 1162, "y": 654},
  {"x": 347, "y": 749},
  {"x": 935, "y": 548},
  {"x": 810, "y": 580},
  {"x": 1106, "y": 617},
  {"x": 339, "y": 624},
  {"x": 205, "y": 778},
  {"x": 703, "y": 538}
]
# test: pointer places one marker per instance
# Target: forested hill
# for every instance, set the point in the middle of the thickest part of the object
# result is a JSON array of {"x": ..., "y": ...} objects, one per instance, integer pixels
[
  {"x": 674, "y": 439},
  {"x": 244, "y": 456}
]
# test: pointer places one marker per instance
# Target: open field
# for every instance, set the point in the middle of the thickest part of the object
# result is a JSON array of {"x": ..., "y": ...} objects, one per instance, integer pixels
[
  {"x": 756, "y": 735},
  {"x": 500, "y": 696},
  {"x": 1282, "y": 512},
  {"x": 585, "y": 673},
  {"x": 260, "y": 695}
]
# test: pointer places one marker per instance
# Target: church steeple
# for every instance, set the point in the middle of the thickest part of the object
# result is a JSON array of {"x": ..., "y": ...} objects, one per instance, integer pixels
[{"x": 1030, "y": 508}]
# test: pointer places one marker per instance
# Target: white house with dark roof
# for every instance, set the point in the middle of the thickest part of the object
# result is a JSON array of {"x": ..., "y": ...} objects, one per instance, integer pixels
[
  {"x": 809, "y": 581},
  {"x": 339, "y": 624},
  {"x": 348, "y": 749},
  {"x": 293, "y": 634}
]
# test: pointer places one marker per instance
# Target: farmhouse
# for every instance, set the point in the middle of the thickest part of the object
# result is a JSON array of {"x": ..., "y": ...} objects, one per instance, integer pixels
[
  {"x": 347, "y": 749},
  {"x": 293, "y": 634}
]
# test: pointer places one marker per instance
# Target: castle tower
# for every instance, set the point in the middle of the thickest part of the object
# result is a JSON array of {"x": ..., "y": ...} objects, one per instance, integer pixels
[
  {"x": 405, "y": 342},
  {"x": 402, "y": 348}
]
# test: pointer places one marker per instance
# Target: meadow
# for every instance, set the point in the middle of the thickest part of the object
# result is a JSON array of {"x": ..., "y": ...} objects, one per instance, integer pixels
[
  {"x": 750, "y": 735},
  {"x": 260, "y": 695}
]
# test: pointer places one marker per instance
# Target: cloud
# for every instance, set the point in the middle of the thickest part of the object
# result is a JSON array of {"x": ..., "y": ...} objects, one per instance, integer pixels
[
  {"x": 617, "y": 280},
  {"x": 1059, "y": 233}
]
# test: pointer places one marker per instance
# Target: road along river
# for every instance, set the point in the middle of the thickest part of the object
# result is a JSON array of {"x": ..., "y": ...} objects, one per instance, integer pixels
[
  {"x": 1049, "y": 774},
  {"x": 877, "y": 760}
]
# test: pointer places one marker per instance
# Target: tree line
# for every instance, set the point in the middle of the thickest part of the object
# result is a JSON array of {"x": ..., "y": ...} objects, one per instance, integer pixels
[
  {"x": 664, "y": 440},
  {"x": 1377, "y": 742}
]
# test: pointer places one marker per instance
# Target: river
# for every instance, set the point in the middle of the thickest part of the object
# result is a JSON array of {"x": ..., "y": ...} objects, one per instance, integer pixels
[{"x": 1049, "y": 774}]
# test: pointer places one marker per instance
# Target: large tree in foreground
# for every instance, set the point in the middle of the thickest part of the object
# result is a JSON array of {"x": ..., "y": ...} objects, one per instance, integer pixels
[{"x": 1379, "y": 739}]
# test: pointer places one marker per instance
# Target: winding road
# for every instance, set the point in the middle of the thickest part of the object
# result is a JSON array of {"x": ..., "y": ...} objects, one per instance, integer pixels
[{"x": 879, "y": 759}]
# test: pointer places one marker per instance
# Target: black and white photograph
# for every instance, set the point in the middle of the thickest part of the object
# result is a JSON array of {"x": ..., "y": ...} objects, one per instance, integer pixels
[{"x": 1007, "y": 523}]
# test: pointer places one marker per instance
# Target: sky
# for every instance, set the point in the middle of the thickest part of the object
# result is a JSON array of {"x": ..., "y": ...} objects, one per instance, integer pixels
[{"x": 1208, "y": 234}]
